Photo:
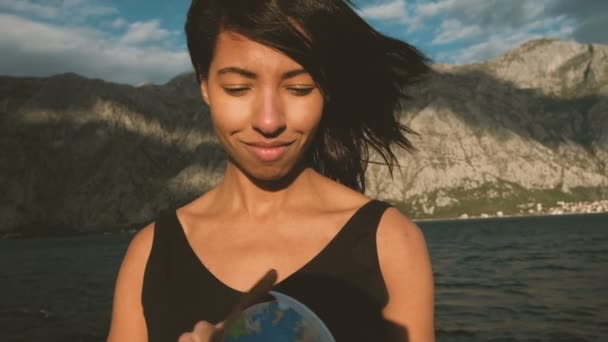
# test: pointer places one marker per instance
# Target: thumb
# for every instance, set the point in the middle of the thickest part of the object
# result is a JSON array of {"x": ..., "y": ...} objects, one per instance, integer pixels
[{"x": 218, "y": 332}]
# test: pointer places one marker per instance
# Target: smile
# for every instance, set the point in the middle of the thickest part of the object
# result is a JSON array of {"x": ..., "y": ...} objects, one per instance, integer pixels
[{"x": 268, "y": 151}]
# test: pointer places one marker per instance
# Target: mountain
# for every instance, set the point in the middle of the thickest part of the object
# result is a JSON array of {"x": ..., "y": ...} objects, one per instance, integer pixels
[
  {"x": 82, "y": 155},
  {"x": 529, "y": 126},
  {"x": 85, "y": 155}
]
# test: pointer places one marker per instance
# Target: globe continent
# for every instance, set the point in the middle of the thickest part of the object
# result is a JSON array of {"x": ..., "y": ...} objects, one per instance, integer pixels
[{"x": 281, "y": 320}]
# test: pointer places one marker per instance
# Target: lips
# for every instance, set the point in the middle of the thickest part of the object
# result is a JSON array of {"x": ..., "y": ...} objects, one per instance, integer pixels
[{"x": 268, "y": 150}]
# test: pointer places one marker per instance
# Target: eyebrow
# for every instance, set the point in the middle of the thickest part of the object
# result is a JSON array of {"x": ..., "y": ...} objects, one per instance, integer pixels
[{"x": 252, "y": 75}]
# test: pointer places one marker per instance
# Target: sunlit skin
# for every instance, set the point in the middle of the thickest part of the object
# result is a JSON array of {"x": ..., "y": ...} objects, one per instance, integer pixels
[
  {"x": 270, "y": 211},
  {"x": 258, "y": 95}
]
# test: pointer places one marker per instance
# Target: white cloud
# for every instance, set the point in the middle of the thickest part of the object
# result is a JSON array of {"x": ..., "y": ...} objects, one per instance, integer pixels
[
  {"x": 386, "y": 11},
  {"x": 118, "y": 23},
  {"x": 35, "y": 9},
  {"x": 482, "y": 29},
  {"x": 53, "y": 36},
  {"x": 453, "y": 30},
  {"x": 87, "y": 8},
  {"x": 42, "y": 49},
  {"x": 500, "y": 43},
  {"x": 431, "y": 9},
  {"x": 145, "y": 32},
  {"x": 94, "y": 11},
  {"x": 495, "y": 14},
  {"x": 533, "y": 9},
  {"x": 590, "y": 18},
  {"x": 492, "y": 47},
  {"x": 70, "y": 10}
]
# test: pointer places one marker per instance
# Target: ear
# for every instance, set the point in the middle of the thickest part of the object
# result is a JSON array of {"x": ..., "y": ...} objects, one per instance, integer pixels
[{"x": 205, "y": 90}]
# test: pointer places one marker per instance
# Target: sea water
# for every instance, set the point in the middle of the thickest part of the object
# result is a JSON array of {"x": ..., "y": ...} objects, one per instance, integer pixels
[{"x": 506, "y": 279}]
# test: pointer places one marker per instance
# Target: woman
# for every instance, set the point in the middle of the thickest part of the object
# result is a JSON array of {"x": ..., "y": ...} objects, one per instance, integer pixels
[{"x": 298, "y": 90}]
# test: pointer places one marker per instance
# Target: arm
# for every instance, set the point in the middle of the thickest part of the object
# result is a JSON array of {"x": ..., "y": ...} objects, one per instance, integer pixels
[
  {"x": 406, "y": 268},
  {"x": 128, "y": 322}
]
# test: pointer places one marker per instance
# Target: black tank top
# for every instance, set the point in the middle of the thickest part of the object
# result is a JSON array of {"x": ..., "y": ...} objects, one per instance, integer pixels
[{"x": 342, "y": 285}]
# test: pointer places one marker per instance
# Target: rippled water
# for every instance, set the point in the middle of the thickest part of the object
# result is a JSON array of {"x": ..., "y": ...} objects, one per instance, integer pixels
[
  {"x": 532, "y": 279},
  {"x": 510, "y": 279}
]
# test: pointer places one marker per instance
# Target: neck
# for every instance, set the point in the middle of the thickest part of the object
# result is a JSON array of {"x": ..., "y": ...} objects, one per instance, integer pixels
[{"x": 240, "y": 193}]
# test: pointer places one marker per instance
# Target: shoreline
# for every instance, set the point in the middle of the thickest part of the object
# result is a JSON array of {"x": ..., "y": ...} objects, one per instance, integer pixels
[
  {"x": 494, "y": 217},
  {"x": 25, "y": 236}
]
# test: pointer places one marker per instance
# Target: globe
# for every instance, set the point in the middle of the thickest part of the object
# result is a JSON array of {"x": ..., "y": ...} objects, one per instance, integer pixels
[{"x": 283, "y": 319}]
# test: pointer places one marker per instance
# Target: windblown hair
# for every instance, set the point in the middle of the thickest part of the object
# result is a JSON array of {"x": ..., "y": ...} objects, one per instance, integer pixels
[{"x": 361, "y": 73}]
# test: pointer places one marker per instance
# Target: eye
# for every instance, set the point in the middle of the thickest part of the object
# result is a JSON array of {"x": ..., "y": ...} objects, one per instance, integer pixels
[
  {"x": 236, "y": 91},
  {"x": 300, "y": 91}
]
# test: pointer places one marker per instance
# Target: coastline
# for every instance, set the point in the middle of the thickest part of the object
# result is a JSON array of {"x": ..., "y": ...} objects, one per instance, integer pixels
[
  {"x": 507, "y": 217},
  {"x": 532, "y": 209},
  {"x": 66, "y": 234}
]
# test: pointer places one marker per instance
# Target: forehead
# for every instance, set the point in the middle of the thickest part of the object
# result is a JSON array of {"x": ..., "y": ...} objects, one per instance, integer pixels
[{"x": 233, "y": 49}]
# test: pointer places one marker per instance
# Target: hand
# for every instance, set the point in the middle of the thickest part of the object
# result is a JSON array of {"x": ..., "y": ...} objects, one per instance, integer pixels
[{"x": 204, "y": 332}]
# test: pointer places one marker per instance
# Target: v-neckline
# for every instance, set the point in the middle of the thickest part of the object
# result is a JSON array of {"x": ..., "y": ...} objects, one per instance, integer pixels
[{"x": 307, "y": 264}]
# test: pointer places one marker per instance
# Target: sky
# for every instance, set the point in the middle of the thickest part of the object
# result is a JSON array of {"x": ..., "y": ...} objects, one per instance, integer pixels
[{"x": 142, "y": 41}]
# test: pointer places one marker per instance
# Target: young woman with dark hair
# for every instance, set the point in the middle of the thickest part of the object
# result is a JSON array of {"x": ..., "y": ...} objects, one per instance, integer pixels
[{"x": 298, "y": 92}]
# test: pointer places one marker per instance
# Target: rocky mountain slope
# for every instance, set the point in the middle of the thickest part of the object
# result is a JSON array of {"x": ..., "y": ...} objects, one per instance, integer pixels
[{"x": 530, "y": 126}]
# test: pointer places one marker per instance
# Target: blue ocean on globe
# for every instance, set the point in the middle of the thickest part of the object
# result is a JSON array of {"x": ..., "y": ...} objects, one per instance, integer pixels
[{"x": 282, "y": 320}]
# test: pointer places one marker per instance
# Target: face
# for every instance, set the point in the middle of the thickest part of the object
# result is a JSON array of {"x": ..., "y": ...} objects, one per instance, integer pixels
[{"x": 264, "y": 106}]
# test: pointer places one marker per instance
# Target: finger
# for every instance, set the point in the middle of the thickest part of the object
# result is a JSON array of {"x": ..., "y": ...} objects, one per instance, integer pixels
[
  {"x": 249, "y": 298},
  {"x": 185, "y": 337},
  {"x": 257, "y": 291},
  {"x": 261, "y": 288},
  {"x": 203, "y": 331},
  {"x": 217, "y": 335}
]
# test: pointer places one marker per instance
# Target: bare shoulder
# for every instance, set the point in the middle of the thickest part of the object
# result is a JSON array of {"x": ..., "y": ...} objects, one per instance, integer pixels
[
  {"x": 139, "y": 248},
  {"x": 141, "y": 244},
  {"x": 341, "y": 196},
  {"x": 406, "y": 268},
  {"x": 398, "y": 236},
  {"x": 128, "y": 323}
]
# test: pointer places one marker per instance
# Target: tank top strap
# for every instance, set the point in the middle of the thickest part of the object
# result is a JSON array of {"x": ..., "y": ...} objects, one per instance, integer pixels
[
  {"x": 163, "y": 247},
  {"x": 178, "y": 290},
  {"x": 162, "y": 231},
  {"x": 364, "y": 223},
  {"x": 369, "y": 215},
  {"x": 346, "y": 272},
  {"x": 171, "y": 246},
  {"x": 354, "y": 251},
  {"x": 167, "y": 234},
  {"x": 357, "y": 237}
]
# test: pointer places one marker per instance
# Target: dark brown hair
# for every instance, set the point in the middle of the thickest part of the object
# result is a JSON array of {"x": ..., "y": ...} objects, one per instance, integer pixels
[{"x": 362, "y": 73}]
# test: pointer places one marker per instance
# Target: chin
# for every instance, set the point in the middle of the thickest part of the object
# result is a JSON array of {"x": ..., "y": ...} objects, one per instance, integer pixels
[
  {"x": 279, "y": 172},
  {"x": 269, "y": 174},
  {"x": 272, "y": 176}
]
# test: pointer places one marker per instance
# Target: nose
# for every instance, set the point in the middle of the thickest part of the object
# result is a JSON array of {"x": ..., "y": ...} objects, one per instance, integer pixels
[{"x": 269, "y": 119}]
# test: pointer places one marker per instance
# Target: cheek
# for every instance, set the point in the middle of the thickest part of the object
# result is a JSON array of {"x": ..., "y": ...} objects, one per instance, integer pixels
[
  {"x": 228, "y": 116},
  {"x": 307, "y": 115}
]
